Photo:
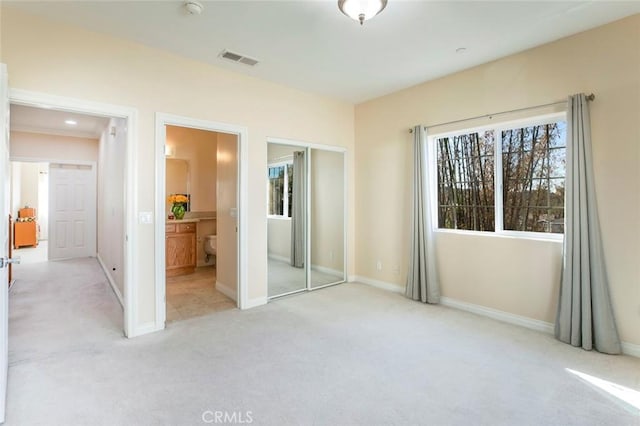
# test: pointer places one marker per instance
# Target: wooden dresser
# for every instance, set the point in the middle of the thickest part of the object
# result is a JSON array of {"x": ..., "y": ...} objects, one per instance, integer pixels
[
  {"x": 180, "y": 248},
  {"x": 25, "y": 233}
]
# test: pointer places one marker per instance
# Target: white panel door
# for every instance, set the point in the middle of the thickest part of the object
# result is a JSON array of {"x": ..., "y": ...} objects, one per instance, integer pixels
[
  {"x": 72, "y": 211},
  {"x": 5, "y": 182}
]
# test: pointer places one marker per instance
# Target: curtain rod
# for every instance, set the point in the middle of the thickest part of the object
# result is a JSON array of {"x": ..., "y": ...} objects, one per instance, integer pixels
[{"x": 590, "y": 97}]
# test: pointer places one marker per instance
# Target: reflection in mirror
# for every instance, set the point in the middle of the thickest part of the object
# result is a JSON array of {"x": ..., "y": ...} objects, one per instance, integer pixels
[
  {"x": 286, "y": 231},
  {"x": 327, "y": 217},
  {"x": 177, "y": 180}
]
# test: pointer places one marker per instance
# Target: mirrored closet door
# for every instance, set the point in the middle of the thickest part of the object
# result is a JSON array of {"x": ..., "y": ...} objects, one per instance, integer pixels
[
  {"x": 306, "y": 218},
  {"x": 326, "y": 214},
  {"x": 286, "y": 219}
]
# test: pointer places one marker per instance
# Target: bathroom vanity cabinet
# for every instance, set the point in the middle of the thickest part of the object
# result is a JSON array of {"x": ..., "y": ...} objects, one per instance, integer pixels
[{"x": 180, "y": 248}]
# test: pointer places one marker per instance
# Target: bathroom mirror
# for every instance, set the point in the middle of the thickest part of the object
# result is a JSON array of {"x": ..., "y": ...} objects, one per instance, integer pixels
[
  {"x": 177, "y": 178},
  {"x": 326, "y": 218},
  {"x": 286, "y": 219}
]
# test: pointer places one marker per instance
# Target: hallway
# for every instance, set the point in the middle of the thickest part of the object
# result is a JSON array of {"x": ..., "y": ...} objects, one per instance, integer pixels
[{"x": 59, "y": 312}]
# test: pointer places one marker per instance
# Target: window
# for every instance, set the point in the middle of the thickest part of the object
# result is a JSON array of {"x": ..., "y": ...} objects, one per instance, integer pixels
[
  {"x": 466, "y": 196},
  {"x": 527, "y": 162},
  {"x": 280, "y": 189}
]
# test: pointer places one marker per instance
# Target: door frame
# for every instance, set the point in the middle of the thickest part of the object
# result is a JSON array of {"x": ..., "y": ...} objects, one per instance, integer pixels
[
  {"x": 242, "y": 133},
  {"x": 61, "y": 103},
  {"x": 6, "y": 208}
]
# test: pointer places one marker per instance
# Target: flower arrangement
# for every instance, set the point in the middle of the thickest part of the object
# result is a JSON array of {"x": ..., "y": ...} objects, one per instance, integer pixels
[
  {"x": 178, "y": 204},
  {"x": 178, "y": 198}
]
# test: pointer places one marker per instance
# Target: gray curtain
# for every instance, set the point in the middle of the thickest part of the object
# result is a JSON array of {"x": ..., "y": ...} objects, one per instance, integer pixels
[
  {"x": 422, "y": 277},
  {"x": 585, "y": 317},
  {"x": 298, "y": 210}
]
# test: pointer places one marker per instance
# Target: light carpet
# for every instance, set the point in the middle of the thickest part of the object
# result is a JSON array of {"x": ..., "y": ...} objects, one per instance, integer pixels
[{"x": 345, "y": 355}]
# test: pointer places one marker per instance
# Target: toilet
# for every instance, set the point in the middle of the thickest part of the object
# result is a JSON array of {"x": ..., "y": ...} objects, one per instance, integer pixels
[{"x": 210, "y": 245}]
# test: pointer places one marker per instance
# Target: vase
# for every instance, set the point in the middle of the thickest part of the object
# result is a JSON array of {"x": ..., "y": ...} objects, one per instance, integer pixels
[{"x": 178, "y": 211}]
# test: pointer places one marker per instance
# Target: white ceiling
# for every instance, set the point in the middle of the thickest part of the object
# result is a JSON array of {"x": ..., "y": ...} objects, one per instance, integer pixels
[
  {"x": 52, "y": 122},
  {"x": 312, "y": 46}
]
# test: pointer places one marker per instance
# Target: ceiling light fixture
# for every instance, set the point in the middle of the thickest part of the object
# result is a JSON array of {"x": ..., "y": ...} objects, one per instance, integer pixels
[
  {"x": 194, "y": 7},
  {"x": 361, "y": 10},
  {"x": 70, "y": 122}
]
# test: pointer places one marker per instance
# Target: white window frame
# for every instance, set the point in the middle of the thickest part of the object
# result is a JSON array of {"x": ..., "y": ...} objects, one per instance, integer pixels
[
  {"x": 498, "y": 128},
  {"x": 285, "y": 189}
]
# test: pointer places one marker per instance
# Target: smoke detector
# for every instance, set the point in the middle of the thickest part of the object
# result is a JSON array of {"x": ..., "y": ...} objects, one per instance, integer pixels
[{"x": 193, "y": 7}]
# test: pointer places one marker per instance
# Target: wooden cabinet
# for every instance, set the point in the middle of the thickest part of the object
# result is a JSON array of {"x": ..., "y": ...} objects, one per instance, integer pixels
[
  {"x": 25, "y": 234},
  {"x": 180, "y": 248},
  {"x": 25, "y": 229}
]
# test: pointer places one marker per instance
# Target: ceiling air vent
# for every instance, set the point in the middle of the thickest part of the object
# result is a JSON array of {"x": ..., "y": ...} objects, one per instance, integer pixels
[{"x": 236, "y": 57}]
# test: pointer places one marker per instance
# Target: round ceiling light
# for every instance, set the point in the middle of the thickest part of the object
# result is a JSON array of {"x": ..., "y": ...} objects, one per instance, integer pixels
[
  {"x": 361, "y": 10},
  {"x": 194, "y": 7}
]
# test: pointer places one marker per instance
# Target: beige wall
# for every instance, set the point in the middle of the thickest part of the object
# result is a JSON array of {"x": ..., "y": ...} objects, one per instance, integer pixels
[
  {"x": 16, "y": 169},
  {"x": 29, "y": 173},
  {"x": 96, "y": 67},
  {"x": 519, "y": 276},
  {"x": 279, "y": 239},
  {"x": 198, "y": 149},
  {"x": 111, "y": 200},
  {"x": 177, "y": 178},
  {"x": 29, "y": 188},
  {"x": 26, "y": 145}
]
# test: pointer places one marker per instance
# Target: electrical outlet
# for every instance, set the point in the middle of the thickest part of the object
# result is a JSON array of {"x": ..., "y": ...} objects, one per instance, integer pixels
[
  {"x": 396, "y": 270},
  {"x": 331, "y": 255},
  {"x": 379, "y": 265}
]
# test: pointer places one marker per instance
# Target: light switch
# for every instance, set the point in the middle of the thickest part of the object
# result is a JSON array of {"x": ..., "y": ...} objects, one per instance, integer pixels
[{"x": 145, "y": 217}]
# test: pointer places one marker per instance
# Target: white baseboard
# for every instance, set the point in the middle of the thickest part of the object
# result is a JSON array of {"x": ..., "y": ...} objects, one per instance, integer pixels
[
  {"x": 146, "y": 328},
  {"x": 326, "y": 270},
  {"x": 252, "y": 303},
  {"x": 631, "y": 349},
  {"x": 112, "y": 282},
  {"x": 510, "y": 318},
  {"x": 280, "y": 258},
  {"x": 395, "y": 288},
  {"x": 228, "y": 291}
]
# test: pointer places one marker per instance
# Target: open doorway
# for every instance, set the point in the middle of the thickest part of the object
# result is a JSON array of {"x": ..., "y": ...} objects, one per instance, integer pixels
[
  {"x": 67, "y": 200},
  {"x": 201, "y": 269},
  {"x": 201, "y": 223},
  {"x": 29, "y": 199}
]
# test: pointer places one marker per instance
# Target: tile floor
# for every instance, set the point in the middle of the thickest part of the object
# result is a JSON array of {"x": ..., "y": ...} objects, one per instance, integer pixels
[{"x": 194, "y": 295}]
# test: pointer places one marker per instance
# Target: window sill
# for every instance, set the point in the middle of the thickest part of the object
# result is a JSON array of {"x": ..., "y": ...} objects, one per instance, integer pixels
[{"x": 534, "y": 236}]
